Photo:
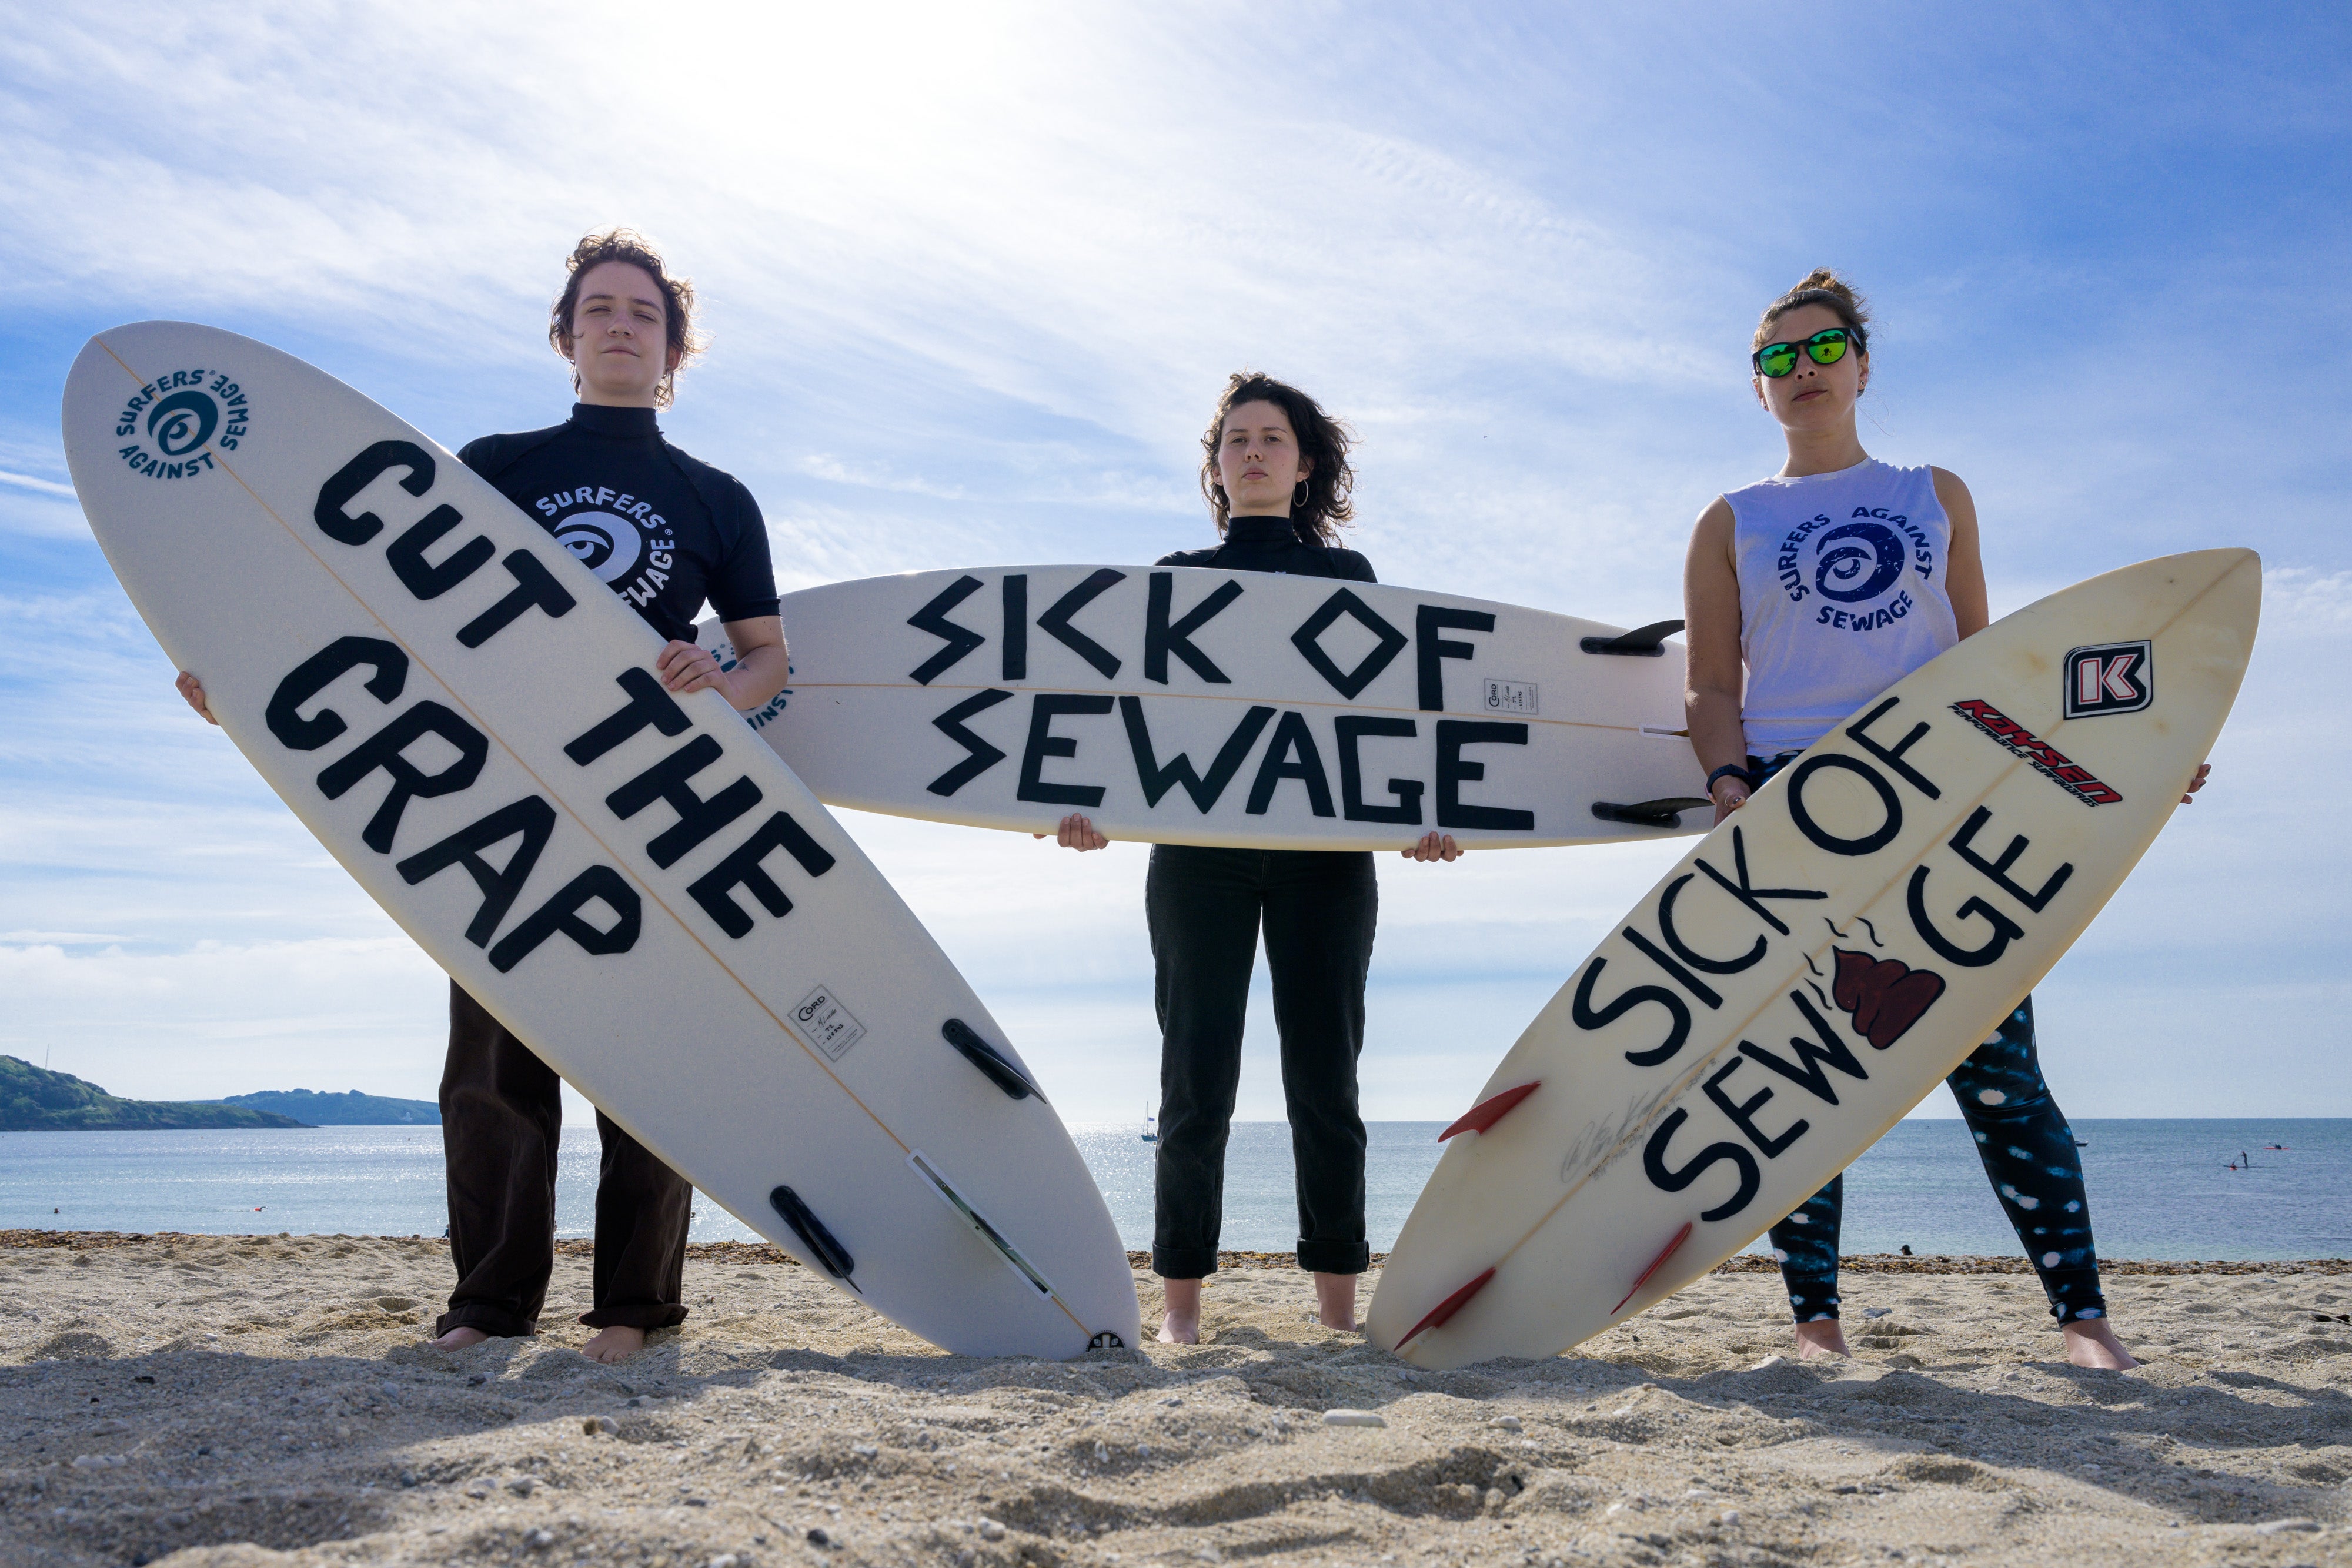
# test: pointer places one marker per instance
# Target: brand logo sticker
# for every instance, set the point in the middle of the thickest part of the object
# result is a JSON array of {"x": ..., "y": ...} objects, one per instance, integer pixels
[
  {"x": 2110, "y": 677},
  {"x": 175, "y": 424},
  {"x": 2047, "y": 759},
  {"x": 826, "y": 1023}
]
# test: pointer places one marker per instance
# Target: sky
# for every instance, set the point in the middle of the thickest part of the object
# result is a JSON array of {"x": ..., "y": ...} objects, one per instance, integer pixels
[{"x": 974, "y": 276}]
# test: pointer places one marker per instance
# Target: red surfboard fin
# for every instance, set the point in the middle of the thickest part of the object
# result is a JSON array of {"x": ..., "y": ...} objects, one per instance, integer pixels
[
  {"x": 1486, "y": 1112},
  {"x": 1656, "y": 1263},
  {"x": 1446, "y": 1308}
]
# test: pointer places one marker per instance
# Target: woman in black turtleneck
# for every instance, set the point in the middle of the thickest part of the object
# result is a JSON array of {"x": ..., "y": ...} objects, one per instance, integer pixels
[{"x": 1275, "y": 472}]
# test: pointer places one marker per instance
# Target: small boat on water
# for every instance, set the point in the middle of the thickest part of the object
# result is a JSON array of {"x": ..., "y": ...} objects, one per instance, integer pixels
[{"x": 1151, "y": 1128}]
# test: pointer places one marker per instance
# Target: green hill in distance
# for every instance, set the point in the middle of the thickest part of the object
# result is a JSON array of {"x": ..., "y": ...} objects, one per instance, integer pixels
[
  {"x": 349, "y": 1109},
  {"x": 34, "y": 1099}
]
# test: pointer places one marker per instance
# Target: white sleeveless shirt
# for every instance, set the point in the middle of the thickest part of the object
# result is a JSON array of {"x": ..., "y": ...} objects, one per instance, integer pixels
[{"x": 1841, "y": 594}]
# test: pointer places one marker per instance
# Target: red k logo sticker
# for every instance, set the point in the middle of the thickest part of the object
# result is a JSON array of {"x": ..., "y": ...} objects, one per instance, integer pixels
[{"x": 2112, "y": 678}]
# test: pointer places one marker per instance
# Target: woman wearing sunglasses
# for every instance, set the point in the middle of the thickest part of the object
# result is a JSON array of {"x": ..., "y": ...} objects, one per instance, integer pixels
[{"x": 1829, "y": 582}]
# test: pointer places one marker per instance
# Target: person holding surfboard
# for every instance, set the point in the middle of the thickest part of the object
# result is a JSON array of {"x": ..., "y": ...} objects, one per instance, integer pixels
[
  {"x": 666, "y": 532},
  {"x": 1275, "y": 473},
  {"x": 1891, "y": 563}
]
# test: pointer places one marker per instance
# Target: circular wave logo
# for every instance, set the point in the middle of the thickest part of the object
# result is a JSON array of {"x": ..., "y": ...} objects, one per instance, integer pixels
[
  {"x": 605, "y": 544},
  {"x": 179, "y": 425},
  {"x": 1858, "y": 561}
]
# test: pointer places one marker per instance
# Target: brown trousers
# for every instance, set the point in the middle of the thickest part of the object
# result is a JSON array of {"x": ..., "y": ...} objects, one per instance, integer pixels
[{"x": 501, "y": 1113}]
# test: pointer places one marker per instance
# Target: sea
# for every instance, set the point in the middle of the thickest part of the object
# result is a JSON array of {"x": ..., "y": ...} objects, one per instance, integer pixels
[{"x": 2159, "y": 1189}]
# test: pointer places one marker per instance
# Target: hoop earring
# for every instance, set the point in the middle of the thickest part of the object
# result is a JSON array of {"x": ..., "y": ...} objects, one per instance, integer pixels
[{"x": 1298, "y": 495}]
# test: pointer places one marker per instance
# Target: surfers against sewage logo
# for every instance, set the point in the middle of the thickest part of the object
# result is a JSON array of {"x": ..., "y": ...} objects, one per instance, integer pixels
[
  {"x": 621, "y": 538},
  {"x": 173, "y": 424}
]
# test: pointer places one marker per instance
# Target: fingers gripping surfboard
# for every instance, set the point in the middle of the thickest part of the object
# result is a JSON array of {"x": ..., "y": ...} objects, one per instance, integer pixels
[
  {"x": 1815, "y": 966},
  {"x": 630, "y": 880},
  {"x": 1180, "y": 704}
]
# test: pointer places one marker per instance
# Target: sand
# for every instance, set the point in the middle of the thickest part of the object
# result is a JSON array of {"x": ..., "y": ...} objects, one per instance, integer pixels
[{"x": 243, "y": 1400}]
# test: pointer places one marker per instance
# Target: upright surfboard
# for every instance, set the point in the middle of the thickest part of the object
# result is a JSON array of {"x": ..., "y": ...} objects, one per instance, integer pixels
[
  {"x": 1815, "y": 965},
  {"x": 1190, "y": 706},
  {"x": 633, "y": 884}
]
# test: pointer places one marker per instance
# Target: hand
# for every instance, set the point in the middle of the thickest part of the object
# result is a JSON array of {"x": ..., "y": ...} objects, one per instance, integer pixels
[
  {"x": 685, "y": 667},
  {"x": 193, "y": 689},
  {"x": 1077, "y": 833},
  {"x": 1434, "y": 847},
  {"x": 1730, "y": 794},
  {"x": 2204, "y": 771}
]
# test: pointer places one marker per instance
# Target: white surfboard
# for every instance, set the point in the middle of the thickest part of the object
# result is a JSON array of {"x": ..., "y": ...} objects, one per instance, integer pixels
[
  {"x": 1814, "y": 966},
  {"x": 1190, "y": 707},
  {"x": 636, "y": 886}
]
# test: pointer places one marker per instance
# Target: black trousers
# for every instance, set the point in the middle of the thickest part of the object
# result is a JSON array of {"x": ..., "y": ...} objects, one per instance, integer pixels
[
  {"x": 501, "y": 1113},
  {"x": 1205, "y": 907}
]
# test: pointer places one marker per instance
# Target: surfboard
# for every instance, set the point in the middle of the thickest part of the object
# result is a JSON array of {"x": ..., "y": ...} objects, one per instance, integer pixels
[
  {"x": 1813, "y": 966},
  {"x": 1182, "y": 706},
  {"x": 468, "y": 721}
]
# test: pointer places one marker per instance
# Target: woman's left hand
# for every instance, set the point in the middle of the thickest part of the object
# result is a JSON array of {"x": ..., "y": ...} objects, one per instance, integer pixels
[
  {"x": 1434, "y": 847},
  {"x": 687, "y": 668},
  {"x": 2204, "y": 771}
]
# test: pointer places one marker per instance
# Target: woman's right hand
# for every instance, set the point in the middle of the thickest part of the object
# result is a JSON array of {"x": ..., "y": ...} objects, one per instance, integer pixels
[
  {"x": 193, "y": 689},
  {"x": 1077, "y": 833},
  {"x": 1730, "y": 794}
]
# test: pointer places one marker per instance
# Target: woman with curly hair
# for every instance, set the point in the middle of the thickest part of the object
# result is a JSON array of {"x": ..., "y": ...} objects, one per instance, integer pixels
[{"x": 1275, "y": 473}]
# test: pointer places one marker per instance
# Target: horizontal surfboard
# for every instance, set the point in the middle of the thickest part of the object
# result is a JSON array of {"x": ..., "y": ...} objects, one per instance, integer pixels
[
  {"x": 1178, "y": 705},
  {"x": 630, "y": 880},
  {"x": 1815, "y": 966}
]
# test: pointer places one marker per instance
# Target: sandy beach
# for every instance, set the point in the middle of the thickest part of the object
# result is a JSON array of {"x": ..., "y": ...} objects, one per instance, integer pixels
[{"x": 239, "y": 1400}]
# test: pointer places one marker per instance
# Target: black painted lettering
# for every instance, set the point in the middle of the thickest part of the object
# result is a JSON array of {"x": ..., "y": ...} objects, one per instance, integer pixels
[
  {"x": 1431, "y": 650},
  {"x": 535, "y": 589},
  {"x": 1015, "y": 635},
  {"x": 698, "y": 819},
  {"x": 1351, "y": 729},
  {"x": 358, "y": 474},
  {"x": 383, "y": 751},
  {"x": 1683, "y": 950},
  {"x": 421, "y": 576},
  {"x": 1743, "y": 1114},
  {"x": 742, "y": 869},
  {"x": 1665, "y": 1178},
  {"x": 1162, "y": 639},
  {"x": 980, "y": 755},
  {"x": 1291, "y": 739},
  {"x": 1056, "y": 621},
  {"x": 1452, "y": 772},
  {"x": 1893, "y": 756},
  {"x": 1690, "y": 982},
  {"x": 532, "y": 819},
  {"x": 561, "y": 915},
  {"x": 1581, "y": 1009},
  {"x": 2004, "y": 929},
  {"x": 321, "y": 670},
  {"x": 1997, "y": 872},
  {"x": 647, "y": 705},
  {"x": 1387, "y": 644},
  {"x": 933, "y": 618},
  {"x": 1806, "y": 1071},
  {"x": 1045, "y": 708},
  {"x": 1158, "y": 780},
  {"x": 1802, "y": 814},
  {"x": 1746, "y": 891}
]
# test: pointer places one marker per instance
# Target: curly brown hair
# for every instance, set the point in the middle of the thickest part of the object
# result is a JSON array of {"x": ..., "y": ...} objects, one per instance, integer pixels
[
  {"x": 677, "y": 298},
  {"x": 1819, "y": 287},
  {"x": 1322, "y": 440}
]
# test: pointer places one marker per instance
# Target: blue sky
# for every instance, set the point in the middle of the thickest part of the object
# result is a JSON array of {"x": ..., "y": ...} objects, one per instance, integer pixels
[{"x": 974, "y": 276}]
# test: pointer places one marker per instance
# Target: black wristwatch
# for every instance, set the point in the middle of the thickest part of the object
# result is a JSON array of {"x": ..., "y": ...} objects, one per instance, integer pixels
[{"x": 1731, "y": 769}]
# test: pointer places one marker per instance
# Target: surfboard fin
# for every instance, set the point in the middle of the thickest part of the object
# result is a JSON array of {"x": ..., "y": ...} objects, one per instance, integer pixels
[
  {"x": 1656, "y": 1263},
  {"x": 830, "y": 1254},
  {"x": 994, "y": 1064},
  {"x": 1444, "y": 1310},
  {"x": 1660, "y": 813},
  {"x": 1642, "y": 643},
  {"x": 972, "y": 1216},
  {"x": 1489, "y": 1111}
]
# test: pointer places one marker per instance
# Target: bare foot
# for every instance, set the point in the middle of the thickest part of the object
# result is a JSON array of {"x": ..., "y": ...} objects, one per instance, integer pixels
[
  {"x": 459, "y": 1338},
  {"x": 1181, "y": 1325},
  {"x": 614, "y": 1343},
  {"x": 1335, "y": 1299},
  {"x": 2091, "y": 1343},
  {"x": 1822, "y": 1337}
]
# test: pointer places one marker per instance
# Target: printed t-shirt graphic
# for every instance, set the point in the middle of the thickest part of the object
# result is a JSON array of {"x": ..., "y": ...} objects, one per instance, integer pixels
[{"x": 662, "y": 530}]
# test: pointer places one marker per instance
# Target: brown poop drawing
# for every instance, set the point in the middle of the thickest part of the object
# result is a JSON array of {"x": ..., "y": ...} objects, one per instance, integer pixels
[{"x": 1885, "y": 996}]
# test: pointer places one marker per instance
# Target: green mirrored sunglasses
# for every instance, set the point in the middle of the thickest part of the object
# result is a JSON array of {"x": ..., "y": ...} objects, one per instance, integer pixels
[{"x": 1824, "y": 348}]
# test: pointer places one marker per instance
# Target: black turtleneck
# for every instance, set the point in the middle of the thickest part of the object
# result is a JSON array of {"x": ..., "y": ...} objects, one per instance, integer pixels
[
  {"x": 1271, "y": 544},
  {"x": 664, "y": 531}
]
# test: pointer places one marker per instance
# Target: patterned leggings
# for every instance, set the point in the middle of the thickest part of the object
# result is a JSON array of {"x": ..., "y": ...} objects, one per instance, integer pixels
[{"x": 2029, "y": 1156}]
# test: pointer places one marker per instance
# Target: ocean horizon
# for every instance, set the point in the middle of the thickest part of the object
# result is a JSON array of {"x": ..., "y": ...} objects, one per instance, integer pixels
[{"x": 2159, "y": 1188}]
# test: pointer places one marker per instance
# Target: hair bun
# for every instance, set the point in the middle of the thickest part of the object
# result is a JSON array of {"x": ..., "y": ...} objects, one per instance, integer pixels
[{"x": 1819, "y": 286}]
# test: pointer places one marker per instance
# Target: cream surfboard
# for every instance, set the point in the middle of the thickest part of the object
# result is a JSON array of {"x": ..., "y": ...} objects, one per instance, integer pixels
[
  {"x": 468, "y": 720},
  {"x": 1194, "y": 706},
  {"x": 1811, "y": 968}
]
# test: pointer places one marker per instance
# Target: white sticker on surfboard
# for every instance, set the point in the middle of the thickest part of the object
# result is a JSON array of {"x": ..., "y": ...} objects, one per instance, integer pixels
[
  {"x": 1814, "y": 966},
  {"x": 468, "y": 720},
  {"x": 1190, "y": 705}
]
